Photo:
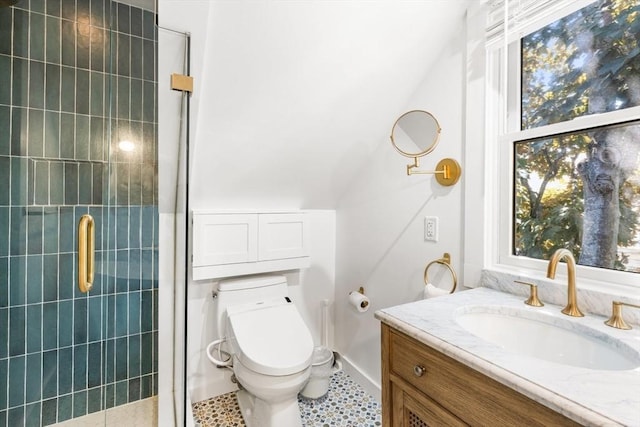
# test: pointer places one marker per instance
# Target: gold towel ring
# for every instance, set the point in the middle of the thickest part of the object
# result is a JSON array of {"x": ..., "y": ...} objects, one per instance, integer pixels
[{"x": 446, "y": 261}]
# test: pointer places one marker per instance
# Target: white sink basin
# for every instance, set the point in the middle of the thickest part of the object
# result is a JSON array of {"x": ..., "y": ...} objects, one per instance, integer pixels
[{"x": 548, "y": 337}]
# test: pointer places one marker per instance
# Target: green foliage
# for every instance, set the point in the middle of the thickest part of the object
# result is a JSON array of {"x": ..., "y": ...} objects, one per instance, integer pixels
[
  {"x": 557, "y": 223},
  {"x": 582, "y": 64},
  {"x": 585, "y": 63}
]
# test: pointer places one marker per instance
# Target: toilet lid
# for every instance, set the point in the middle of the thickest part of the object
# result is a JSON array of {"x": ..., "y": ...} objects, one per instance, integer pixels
[{"x": 271, "y": 338}]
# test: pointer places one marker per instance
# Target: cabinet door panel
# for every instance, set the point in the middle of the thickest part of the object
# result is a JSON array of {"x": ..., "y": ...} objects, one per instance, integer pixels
[
  {"x": 427, "y": 413},
  {"x": 282, "y": 236},
  {"x": 412, "y": 409},
  {"x": 224, "y": 239}
]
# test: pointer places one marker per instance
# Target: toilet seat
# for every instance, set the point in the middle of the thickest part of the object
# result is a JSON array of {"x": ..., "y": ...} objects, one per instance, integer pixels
[{"x": 270, "y": 337}]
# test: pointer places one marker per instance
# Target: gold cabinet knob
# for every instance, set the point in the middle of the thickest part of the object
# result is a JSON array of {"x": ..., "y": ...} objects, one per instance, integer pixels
[{"x": 419, "y": 370}]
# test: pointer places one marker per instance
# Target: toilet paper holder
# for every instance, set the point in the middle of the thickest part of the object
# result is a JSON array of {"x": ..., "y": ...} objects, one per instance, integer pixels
[
  {"x": 446, "y": 261},
  {"x": 365, "y": 302}
]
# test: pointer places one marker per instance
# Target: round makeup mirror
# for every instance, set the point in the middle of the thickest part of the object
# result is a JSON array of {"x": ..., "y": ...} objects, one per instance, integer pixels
[{"x": 415, "y": 133}]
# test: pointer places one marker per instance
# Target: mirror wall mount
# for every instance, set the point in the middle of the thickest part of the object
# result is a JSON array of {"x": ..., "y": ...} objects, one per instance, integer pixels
[
  {"x": 415, "y": 134},
  {"x": 447, "y": 171}
]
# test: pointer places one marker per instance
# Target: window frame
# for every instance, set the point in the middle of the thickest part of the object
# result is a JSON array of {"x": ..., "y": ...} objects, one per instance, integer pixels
[{"x": 503, "y": 129}]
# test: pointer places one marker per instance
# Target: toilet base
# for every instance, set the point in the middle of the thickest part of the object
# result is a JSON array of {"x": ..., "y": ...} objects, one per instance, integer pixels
[{"x": 258, "y": 413}]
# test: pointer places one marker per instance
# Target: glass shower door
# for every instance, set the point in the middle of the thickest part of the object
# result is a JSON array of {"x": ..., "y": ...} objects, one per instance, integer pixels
[
  {"x": 78, "y": 77},
  {"x": 130, "y": 251}
]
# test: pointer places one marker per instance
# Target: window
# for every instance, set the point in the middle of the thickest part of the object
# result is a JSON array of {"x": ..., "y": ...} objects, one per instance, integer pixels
[
  {"x": 571, "y": 194},
  {"x": 572, "y": 135},
  {"x": 587, "y": 62}
]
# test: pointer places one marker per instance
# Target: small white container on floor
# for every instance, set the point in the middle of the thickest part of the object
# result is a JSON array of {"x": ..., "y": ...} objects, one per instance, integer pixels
[{"x": 321, "y": 364}]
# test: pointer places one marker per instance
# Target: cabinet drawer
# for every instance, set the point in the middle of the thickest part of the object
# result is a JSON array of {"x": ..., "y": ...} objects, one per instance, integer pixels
[
  {"x": 414, "y": 364},
  {"x": 470, "y": 395}
]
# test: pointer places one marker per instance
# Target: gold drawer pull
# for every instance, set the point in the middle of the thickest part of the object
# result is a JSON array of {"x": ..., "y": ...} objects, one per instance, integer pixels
[
  {"x": 86, "y": 249},
  {"x": 419, "y": 371}
]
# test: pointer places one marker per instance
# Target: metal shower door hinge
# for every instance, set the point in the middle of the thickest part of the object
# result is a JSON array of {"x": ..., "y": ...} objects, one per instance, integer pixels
[{"x": 182, "y": 83}]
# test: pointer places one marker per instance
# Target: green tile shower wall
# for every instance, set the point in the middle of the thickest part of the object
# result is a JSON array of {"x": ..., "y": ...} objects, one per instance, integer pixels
[{"x": 76, "y": 75}]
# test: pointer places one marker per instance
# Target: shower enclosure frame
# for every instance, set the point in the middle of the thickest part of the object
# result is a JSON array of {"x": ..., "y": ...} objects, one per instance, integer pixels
[{"x": 174, "y": 162}]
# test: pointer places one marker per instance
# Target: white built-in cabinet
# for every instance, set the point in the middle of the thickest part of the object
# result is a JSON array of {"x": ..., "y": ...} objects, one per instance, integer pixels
[{"x": 233, "y": 244}]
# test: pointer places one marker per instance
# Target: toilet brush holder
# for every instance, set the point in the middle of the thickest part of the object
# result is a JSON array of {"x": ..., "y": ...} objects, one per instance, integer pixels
[{"x": 320, "y": 377}]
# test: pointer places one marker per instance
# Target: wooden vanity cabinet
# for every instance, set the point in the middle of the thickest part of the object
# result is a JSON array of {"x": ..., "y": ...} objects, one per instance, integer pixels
[{"x": 423, "y": 387}]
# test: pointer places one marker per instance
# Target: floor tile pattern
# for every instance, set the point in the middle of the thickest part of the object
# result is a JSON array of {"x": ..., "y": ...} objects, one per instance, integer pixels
[
  {"x": 220, "y": 411},
  {"x": 346, "y": 404}
]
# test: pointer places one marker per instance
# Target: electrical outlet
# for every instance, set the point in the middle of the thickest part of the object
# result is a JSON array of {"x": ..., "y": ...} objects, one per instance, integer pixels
[{"x": 431, "y": 228}]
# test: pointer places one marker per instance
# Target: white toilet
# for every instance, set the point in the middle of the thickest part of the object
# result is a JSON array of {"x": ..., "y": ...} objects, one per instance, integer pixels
[{"x": 271, "y": 347}]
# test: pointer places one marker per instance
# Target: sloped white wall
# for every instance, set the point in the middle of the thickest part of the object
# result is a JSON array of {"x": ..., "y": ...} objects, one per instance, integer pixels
[
  {"x": 299, "y": 94},
  {"x": 380, "y": 241}
]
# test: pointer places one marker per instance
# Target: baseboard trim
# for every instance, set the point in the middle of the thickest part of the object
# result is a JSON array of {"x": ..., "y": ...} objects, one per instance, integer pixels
[
  {"x": 209, "y": 389},
  {"x": 366, "y": 382}
]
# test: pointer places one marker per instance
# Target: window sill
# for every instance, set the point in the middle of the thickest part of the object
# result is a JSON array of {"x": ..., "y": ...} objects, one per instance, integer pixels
[{"x": 592, "y": 298}]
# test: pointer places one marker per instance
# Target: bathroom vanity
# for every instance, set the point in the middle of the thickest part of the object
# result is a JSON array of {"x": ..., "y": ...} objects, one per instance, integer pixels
[
  {"x": 423, "y": 387},
  {"x": 435, "y": 372}
]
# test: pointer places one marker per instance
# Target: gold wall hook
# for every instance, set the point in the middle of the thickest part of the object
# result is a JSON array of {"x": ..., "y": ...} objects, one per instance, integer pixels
[{"x": 616, "y": 320}]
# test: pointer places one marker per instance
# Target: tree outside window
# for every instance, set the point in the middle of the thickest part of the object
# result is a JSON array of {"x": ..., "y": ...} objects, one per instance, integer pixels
[{"x": 581, "y": 190}]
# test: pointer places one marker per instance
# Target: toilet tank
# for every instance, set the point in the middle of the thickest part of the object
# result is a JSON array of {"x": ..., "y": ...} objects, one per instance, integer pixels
[{"x": 245, "y": 290}]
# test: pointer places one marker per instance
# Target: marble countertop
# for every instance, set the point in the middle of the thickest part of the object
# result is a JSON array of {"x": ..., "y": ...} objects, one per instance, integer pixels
[{"x": 590, "y": 397}]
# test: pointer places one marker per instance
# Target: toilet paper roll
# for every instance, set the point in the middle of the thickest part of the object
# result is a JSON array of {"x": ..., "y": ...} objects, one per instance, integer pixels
[
  {"x": 359, "y": 301},
  {"x": 431, "y": 291}
]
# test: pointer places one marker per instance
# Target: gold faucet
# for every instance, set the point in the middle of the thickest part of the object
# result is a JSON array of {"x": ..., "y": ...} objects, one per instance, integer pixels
[
  {"x": 572, "y": 301},
  {"x": 533, "y": 299},
  {"x": 616, "y": 320}
]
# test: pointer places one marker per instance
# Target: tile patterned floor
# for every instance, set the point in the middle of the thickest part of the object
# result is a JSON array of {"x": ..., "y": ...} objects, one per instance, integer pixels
[{"x": 346, "y": 404}]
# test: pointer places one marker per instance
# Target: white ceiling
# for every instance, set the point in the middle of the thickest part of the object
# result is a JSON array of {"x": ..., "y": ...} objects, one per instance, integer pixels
[{"x": 297, "y": 94}]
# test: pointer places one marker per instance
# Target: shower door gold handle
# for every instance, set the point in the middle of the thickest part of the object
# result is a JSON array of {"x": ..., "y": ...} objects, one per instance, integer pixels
[{"x": 86, "y": 253}]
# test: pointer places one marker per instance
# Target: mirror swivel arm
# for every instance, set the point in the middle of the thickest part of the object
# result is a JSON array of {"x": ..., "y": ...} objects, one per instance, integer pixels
[{"x": 447, "y": 171}]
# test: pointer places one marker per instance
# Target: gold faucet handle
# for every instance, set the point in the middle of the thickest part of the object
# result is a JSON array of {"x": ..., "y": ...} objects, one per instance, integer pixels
[
  {"x": 616, "y": 320},
  {"x": 533, "y": 299}
]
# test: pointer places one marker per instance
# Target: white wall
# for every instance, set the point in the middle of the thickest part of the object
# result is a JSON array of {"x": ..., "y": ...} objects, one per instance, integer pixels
[
  {"x": 293, "y": 105},
  {"x": 381, "y": 218},
  {"x": 299, "y": 94}
]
